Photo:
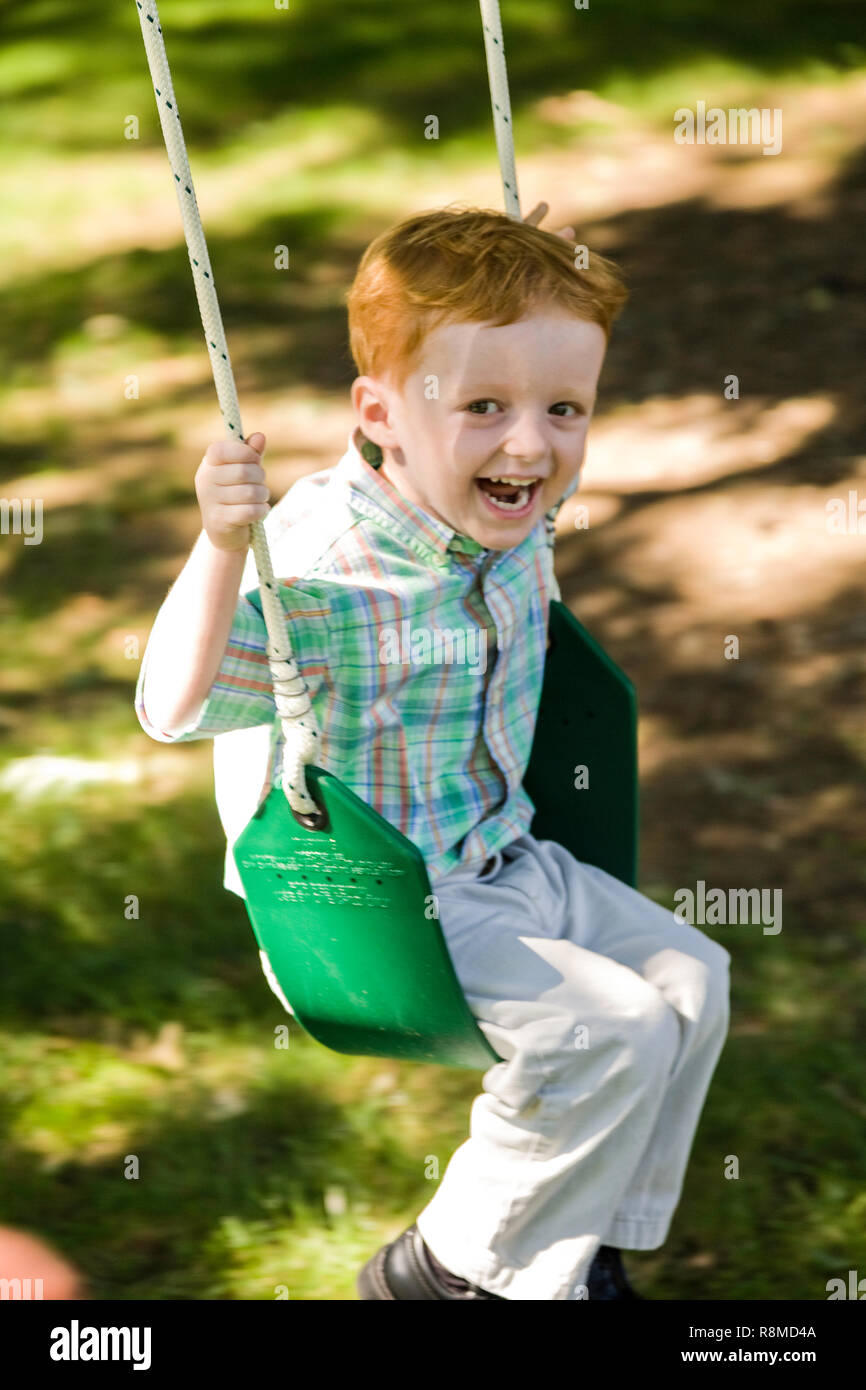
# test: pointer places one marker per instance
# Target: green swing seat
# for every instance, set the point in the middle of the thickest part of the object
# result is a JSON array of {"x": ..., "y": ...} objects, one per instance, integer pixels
[{"x": 346, "y": 914}]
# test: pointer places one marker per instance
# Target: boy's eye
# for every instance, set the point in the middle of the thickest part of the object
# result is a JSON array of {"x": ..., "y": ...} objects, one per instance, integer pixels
[{"x": 559, "y": 406}]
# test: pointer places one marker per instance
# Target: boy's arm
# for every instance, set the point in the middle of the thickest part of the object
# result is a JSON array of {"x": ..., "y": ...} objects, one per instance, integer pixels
[{"x": 206, "y": 634}]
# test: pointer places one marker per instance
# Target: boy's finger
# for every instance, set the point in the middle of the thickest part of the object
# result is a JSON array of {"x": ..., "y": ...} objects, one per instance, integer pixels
[
  {"x": 223, "y": 451},
  {"x": 539, "y": 211}
]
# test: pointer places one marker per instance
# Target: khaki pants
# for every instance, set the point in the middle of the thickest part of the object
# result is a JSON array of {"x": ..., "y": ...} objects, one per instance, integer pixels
[{"x": 610, "y": 1015}]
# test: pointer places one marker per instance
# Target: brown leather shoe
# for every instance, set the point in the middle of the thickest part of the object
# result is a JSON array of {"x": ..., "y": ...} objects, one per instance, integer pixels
[{"x": 403, "y": 1270}]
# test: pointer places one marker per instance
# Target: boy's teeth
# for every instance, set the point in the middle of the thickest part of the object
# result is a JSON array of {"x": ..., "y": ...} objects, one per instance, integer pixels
[
  {"x": 512, "y": 506},
  {"x": 523, "y": 489}
]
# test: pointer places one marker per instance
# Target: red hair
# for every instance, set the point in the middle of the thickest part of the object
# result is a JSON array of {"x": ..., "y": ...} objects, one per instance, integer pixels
[{"x": 471, "y": 265}]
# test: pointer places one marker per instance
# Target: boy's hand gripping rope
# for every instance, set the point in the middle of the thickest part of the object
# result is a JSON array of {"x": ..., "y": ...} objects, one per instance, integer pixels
[{"x": 291, "y": 697}]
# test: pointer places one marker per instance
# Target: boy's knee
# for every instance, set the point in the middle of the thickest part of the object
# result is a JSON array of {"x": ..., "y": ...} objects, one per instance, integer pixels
[
  {"x": 718, "y": 957},
  {"x": 647, "y": 1031},
  {"x": 709, "y": 974}
]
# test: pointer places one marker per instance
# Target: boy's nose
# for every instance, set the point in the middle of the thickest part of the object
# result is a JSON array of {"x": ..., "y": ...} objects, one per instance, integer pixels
[{"x": 527, "y": 440}]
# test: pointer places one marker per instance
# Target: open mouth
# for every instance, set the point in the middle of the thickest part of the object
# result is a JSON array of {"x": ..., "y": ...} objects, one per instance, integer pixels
[{"x": 508, "y": 498}]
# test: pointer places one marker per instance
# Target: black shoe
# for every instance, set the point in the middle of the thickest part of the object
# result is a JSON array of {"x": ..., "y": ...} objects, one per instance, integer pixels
[
  {"x": 404, "y": 1270},
  {"x": 607, "y": 1278}
]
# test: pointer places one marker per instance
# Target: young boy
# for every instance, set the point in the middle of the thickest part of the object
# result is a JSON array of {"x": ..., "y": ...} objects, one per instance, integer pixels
[{"x": 479, "y": 346}]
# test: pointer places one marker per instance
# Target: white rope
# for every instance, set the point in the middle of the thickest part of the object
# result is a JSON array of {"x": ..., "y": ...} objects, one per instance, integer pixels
[
  {"x": 291, "y": 697},
  {"x": 498, "y": 79}
]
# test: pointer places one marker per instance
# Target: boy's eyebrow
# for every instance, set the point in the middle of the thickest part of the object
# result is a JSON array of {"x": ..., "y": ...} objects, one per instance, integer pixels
[
  {"x": 486, "y": 386},
  {"x": 584, "y": 399}
]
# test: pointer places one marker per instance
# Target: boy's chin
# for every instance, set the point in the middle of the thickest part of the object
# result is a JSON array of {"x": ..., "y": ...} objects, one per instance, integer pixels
[{"x": 499, "y": 538}]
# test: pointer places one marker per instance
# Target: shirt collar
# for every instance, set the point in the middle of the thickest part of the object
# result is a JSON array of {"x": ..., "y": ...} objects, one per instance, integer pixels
[{"x": 371, "y": 494}]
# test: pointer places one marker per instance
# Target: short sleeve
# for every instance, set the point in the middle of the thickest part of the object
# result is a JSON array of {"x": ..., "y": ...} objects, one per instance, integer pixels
[{"x": 242, "y": 695}]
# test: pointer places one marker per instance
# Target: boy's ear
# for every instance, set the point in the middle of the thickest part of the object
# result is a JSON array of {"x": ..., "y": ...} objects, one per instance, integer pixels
[{"x": 370, "y": 404}]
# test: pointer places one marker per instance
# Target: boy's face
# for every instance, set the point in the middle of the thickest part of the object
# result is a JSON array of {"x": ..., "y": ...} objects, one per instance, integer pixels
[{"x": 486, "y": 402}]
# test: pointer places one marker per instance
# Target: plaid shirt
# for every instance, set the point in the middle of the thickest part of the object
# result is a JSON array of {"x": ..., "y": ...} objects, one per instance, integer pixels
[{"x": 423, "y": 654}]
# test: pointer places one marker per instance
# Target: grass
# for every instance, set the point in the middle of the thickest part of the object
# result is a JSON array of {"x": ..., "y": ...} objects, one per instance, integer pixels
[{"x": 161, "y": 1127}]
